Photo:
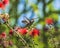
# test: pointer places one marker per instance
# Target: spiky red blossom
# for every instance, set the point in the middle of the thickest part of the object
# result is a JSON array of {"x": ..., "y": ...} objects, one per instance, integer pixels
[
  {"x": 34, "y": 32},
  {"x": 3, "y": 35},
  {"x": 22, "y": 31},
  {"x": 3, "y": 3},
  {"x": 49, "y": 20}
]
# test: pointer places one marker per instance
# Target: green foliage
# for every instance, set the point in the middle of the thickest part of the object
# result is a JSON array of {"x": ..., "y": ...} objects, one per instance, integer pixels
[{"x": 3, "y": 28}]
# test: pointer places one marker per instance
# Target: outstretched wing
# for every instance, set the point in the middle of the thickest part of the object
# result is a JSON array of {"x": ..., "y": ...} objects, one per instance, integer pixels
[{"x": 26, "y": 20}]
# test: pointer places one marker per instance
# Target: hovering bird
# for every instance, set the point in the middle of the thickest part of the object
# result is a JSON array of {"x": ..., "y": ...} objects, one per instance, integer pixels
[{"x": 27, "y": 21}]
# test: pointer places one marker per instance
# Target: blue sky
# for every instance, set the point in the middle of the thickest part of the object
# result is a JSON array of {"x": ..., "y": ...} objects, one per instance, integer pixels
[{"x": 56, "y": 4}]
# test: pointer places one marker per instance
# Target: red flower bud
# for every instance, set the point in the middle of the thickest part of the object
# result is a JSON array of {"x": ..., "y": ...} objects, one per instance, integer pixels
[
  {"x": 3, "y": 3},
  {"x": 49, "y": 20},
  {"x": 22, "y": 31},
  {"x": 3, "y": 35},
  {"x": 34, "y": 32}
]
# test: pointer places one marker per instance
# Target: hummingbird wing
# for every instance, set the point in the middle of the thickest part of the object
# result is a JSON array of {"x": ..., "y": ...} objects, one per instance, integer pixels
[{"x": 26, "y": 20}]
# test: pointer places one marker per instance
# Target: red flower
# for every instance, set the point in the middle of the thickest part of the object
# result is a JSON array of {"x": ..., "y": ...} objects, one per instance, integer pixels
[
  {"x": 3, "y": 3},
  {"x": 10, "y": 32},
  {"x": 34, "y": 32},
  {"x": 22, "y": 31},
  {"x": 49, "y": 20},
  {"x": 3, "y": 35}
]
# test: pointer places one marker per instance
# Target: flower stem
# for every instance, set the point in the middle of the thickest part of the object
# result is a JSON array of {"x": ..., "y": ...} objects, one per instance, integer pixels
[{"x": 24, "y": 42}]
